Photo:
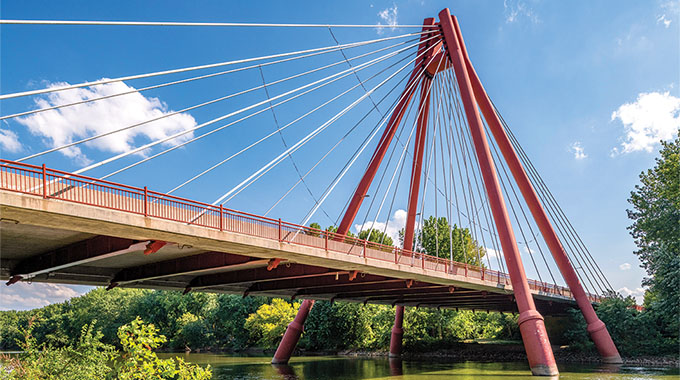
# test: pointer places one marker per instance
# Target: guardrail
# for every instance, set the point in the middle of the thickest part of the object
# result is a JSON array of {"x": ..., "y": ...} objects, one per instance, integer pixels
[{"x": 56, "y": 184}]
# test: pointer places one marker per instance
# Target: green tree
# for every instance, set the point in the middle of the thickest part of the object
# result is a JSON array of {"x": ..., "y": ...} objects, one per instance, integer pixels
[
  {"x": 267, "y": 325},
  {"x": 376, "y": 236},
  {"x": 439, "y": 238},
  {"x": 656, "y": 230}
]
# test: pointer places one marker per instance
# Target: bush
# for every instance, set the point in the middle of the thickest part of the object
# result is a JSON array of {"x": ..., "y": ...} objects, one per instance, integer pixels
[
  {"x": 634, "y": 332},
  {"x": 89, "y": 358},
  {"x": 267, "y": 325}
]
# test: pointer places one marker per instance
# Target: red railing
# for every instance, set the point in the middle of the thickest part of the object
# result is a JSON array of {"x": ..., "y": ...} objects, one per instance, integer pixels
[{"x": 55, "y": 184}]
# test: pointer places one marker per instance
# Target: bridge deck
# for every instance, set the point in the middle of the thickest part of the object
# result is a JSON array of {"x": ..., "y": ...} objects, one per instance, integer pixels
[{"x": 59, "y": 227}]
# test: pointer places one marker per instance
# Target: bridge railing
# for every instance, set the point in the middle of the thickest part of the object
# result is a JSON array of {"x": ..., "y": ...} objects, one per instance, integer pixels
[{"x": 55, "y": 184}]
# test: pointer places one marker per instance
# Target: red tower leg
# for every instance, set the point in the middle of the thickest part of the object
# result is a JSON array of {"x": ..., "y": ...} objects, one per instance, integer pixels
[
  {"x": 388, "y": 134},
  {"x": 532, "y": 327},
  {"x": 416, "y": 170},
  {"x": 292, "y": 334},
  {"x": 598, "y": 331}
]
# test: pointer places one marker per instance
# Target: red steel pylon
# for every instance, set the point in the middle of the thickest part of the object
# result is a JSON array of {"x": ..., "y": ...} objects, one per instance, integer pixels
[{"x": 474, "y": 98}]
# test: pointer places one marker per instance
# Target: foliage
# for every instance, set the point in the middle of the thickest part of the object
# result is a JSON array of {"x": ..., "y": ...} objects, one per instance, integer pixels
[
  {"x": 140, "y": 362},
  {"x": 87, "y": 359},
  {"x": 267, "y": 325},
  {"x": 656, "y": 229},
  {"x": 376, "y": 236},
  {"x": 634, "y": 332}
]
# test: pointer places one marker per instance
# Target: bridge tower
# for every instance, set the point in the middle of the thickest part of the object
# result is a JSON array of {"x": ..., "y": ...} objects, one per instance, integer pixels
[{"x": 448, "y": 51}]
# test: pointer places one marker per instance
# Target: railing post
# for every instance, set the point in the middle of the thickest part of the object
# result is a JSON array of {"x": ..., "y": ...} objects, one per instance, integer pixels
[
  {"x": 396, "y": 255},
  {"x": 44, "y": 180},
  {"x": 279, "y": 229},
  {"x": 325, "y": 244},
  {"x": 365, "y": 245},
  {"x": 146, "y": 201},
  {"x": 221, "y": 217}
]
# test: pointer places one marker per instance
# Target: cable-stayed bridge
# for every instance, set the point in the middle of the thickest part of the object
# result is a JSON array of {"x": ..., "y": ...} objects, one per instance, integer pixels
[{"x": 413, "y": 124}]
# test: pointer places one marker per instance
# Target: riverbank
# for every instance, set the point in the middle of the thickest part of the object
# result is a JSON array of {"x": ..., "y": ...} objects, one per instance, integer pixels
[{"x": 490, "y": 352}]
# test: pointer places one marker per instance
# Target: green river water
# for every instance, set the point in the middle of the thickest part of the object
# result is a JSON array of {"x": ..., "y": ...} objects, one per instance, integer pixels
[{"x": 344, "y": 368}]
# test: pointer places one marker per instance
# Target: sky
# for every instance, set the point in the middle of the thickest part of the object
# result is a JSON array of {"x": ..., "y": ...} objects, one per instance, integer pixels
[{"x": 589, "y": 88}]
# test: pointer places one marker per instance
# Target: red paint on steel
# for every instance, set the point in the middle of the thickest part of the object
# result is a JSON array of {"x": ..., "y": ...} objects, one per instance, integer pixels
[
  {"x": 596, "y": 327},
  {"x": 387, "y": 136},
  {"x": 421, "y": 133},
  {"x": 532, "y": 327},
  {"x": 397, "y": 332},
  {"x": 273, "y": 264},
  {"x": 154, "y": 246},
  {"x": 44, "y": 181},
  {"x": 292, "y": 334}
]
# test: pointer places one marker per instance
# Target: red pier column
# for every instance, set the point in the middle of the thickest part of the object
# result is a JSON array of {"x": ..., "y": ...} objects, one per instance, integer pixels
[
  {"x": 397, "y": 332},
  {"x": 532, "y": 327},
  {"x": 292, "y": 334},
  {"x": 596, "y": 328}
]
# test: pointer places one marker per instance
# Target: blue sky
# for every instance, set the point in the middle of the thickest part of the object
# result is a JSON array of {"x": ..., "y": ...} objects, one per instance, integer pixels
[{"x": 588, "y": 88}]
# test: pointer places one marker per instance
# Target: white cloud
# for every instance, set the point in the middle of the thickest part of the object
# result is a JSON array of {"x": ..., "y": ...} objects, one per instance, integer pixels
[
  {"x": 638, "y": 293},
  {"x": 625, "y": 266},
  {"x": 654, "y": 116},
  {"x": 389, "y": 17},
  {"x": 68, "y": 124},
  {"x": 664, "y": 20},
  {"x": 492, "y": 253},
  {"x": 577, "y": 149},
  {"x": 24, "y": 296},
  {"x": 395, "y": 224},
  {"x": 9, "y": 141},
  {"x": 515, "y": 10}
]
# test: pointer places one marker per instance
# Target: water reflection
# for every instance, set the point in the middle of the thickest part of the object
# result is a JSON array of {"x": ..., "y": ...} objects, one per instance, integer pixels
[
  {"x": 396, "y": 367},
  {"x": 226, "y": 367}
]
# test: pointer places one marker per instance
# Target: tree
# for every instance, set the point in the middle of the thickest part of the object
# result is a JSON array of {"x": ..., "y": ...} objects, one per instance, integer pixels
[
  {"x": 656, "y": 230},
  {"x": 267, "y": 325},
  {"x": 376, "y": 236},
  {"x": 437, "y": 235}
]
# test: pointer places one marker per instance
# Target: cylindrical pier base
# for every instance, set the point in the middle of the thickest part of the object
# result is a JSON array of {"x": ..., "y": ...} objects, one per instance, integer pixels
[
  {"x": 397, "y": 332},
  {"x": 292, "y": 334},
  {"x": 604, "y": 343},
  {"x": 536, "y": 344}
]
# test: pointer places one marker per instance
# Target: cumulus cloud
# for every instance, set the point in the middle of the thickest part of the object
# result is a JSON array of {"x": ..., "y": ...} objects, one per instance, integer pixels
[
  {"x": 68, "y": 124},
  {"x": 625, "y": 266},
  {"x": 516, "y": 10},
  {"x": 492, "y": 253},
  {"x": 654, "y": 116},
  {"x": 637, "y": 293},
  {"x": 24, "y": 296},
  {"x": 389, "y": 17},
  {"x": 396, "y": 223},
  {"x": 9, "y": 141},
  {"x": 577, "y": 149}
]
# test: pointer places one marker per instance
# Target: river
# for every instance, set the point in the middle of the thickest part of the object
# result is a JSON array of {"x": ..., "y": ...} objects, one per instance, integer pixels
[{"x": 347, "y": 368}]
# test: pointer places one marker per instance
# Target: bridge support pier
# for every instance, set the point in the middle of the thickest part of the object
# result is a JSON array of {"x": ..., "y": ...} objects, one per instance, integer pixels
[
  {"x": 397, "y": 332},
  {"x": 596, "y": 328},
  {"x": 531, "y": 325},
  {"x": 292, "y": 334}
]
